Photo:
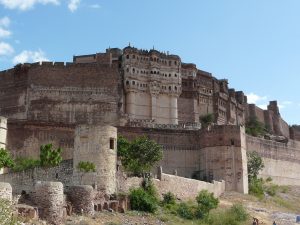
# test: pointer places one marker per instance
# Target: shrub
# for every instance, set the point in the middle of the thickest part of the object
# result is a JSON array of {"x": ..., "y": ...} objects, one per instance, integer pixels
[
  {"x": 271, "y": 189},
  {"x": 86, "y": 167},
  {"x": 25, "y": 164},
  {"x": 6, "y": 159},
  {"x": 169, "y": 199},
  {"x": 254, "y": 164},
  {"x": 238, "y": 212},
  {"x": 256, "y": 187},
  {"x": 206, "y": 202},
  {"x": 185, "y": 211},
  {"x": 141, "y": 200},
  {"x": 269, "y": 179}
]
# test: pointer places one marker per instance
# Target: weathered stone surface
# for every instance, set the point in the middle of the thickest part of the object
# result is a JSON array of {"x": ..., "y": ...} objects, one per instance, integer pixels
[
  {"x": 27, "y": 212},
  {"x": 82, "y": 198},
  {"x": 49, "y": 198},
  {"x": 6, "y": 191}
]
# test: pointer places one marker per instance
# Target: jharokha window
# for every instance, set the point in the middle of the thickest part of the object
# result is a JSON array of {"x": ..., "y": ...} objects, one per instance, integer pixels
[{"x": 112, "y": 143}]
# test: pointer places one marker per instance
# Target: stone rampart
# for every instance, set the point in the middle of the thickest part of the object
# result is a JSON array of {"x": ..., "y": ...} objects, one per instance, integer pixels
[
  {"x": 183, "y": 188},
  {"x": 282, "y": 160},
  {"x": 25, "y": 180}
]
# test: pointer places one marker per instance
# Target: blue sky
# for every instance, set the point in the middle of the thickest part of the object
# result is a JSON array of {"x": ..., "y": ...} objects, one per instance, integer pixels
[{"x": 253, "y": 43}]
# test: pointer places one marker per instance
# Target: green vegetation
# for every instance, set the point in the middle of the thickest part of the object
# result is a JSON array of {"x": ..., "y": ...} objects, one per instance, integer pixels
[
  {"x": 6, "y": 159},
  {"x": 236, "y": 215},
  {"x": 206, "y": 120},
  {"x": 25, "y": 164},
  {"x": 50, "y": 157},
  {"x": 206, "y": 202},
  {"x": 6, "y": 213},
  {"x": 255, "y": 128},
  {"x": 254, "y": 164},
  {"x": 144, "y": 198},
  {"x": 169, "y": 199},
  {"x": 140, "y": 155},
  {"x": 86, "y": 167}
]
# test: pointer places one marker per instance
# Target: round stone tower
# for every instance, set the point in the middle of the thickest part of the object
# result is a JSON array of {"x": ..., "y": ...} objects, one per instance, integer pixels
[
  {"x": 96, "y": 144},
  {"x": 3, "y": 131}
]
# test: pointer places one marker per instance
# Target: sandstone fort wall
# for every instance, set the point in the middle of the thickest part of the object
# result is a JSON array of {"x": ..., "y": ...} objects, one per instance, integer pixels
[
  {"x": 24, "y": 138},
  {"x": 25, "y": 180},
  {"x": 282, "y": 161},
  {"x": 182, "y": 188}
]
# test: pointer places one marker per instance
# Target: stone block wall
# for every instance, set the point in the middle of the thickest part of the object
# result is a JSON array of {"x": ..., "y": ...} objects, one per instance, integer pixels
[
  {"x": 183, "y": 188},
  {"x": 5, "y": 191},
  {"x": 82, "y": 198},
  {"x": 25, "y": 180},
  {"x": 24, "y": 138},
  {"x": 282, "y": 161}
]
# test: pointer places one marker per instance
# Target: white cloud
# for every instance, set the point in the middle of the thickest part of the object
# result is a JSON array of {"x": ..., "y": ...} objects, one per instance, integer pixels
[
  {"x": 5, "y": 49},
  {"x": 30, "y": 56},
  {"x": 4, "y": 22},
  {"x": 73, "y": 5},
  {"x": 26, "y": 4},
  {"x": 263, "y": 106},
  {"x": 4, "y": 33},
  {"x": 253, "y": 98},
  {"x": 95, "y": 6}
]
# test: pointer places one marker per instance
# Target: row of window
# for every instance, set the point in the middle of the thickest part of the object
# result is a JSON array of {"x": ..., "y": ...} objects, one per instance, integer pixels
[
  {"x": 151, "y": 72},
  {"x": 146, "y": 85},
  {"x": 154, "y": 59}
]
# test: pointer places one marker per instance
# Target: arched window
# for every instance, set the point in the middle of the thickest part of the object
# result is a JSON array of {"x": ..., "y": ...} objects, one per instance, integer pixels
[
  {"x": 133, "y": 70},
  {"x": 151, "y": 72},
  {"x": 127, "y": 70},
  {"x": 127, "y": 82},
  {"x": 175, "y": 75},
  {"x": 170, "y": 88},
  {"x": 175, "y": 88},
  {"x": 169, "y": 75},
  {"x": 127, "y": 56}
]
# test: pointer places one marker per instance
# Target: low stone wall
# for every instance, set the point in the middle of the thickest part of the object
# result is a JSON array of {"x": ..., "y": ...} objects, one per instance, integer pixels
[
  {"x": 183, "y": 188},
  {"x": 5, "y": 191},
  {"x": 25, "y": 180}
]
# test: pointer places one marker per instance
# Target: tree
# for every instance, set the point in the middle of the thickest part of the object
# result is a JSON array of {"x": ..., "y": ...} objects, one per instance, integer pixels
[
  {"x": 50, "y": 157},
  {"x": 140, "y": 155},
  {"x": 206, "y": 202},
  {"x": 255, "y": 128},
  {"x": 206, "y": 120},
  {"x": 254, "y": 164},
  {"x": 122, "y": 146},
  {"x": 6, "y": 159}
]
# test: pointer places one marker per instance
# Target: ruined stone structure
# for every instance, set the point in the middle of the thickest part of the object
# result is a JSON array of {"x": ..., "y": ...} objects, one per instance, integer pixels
[{"x": 81, "y": 106}]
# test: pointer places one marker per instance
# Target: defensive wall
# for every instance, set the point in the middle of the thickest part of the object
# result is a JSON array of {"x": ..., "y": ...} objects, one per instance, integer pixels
[
  {"x": 183, "y": 188},
  {"x": 62, "y": 93},
  {"x": 282, "y": 160}
]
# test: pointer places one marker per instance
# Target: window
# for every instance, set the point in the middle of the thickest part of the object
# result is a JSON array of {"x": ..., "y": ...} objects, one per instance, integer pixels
[
  {"x": 112, "y": 143},
  {"x": 127, "y": 56},
  {"x": 127, "y": 82}
]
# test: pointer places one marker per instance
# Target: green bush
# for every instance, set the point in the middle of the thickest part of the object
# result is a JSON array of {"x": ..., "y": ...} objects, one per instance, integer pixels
[
  {"x": 185, "y": 211},
  {"x": 141, "y": 200},
  {"x": 256, "y": 187},
  {"x": 169, "y": 199},
  {"x": 25, "y": 164},
  {"x": 86, "y": 167},
  {"x": 269, "y": 179},
  {"x": 206, "y": 202},
  {"x": 271, "y": 189},
  {"x": 6, "y": 159},
  {"x": 238, "y": 212}
]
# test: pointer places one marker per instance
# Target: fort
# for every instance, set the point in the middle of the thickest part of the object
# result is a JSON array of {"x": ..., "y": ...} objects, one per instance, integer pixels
[{"x": 84, "y": 105}]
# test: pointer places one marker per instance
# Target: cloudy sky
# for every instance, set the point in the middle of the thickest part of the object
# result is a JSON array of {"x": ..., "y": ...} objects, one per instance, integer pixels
[{"x": 253, "y": 43}]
